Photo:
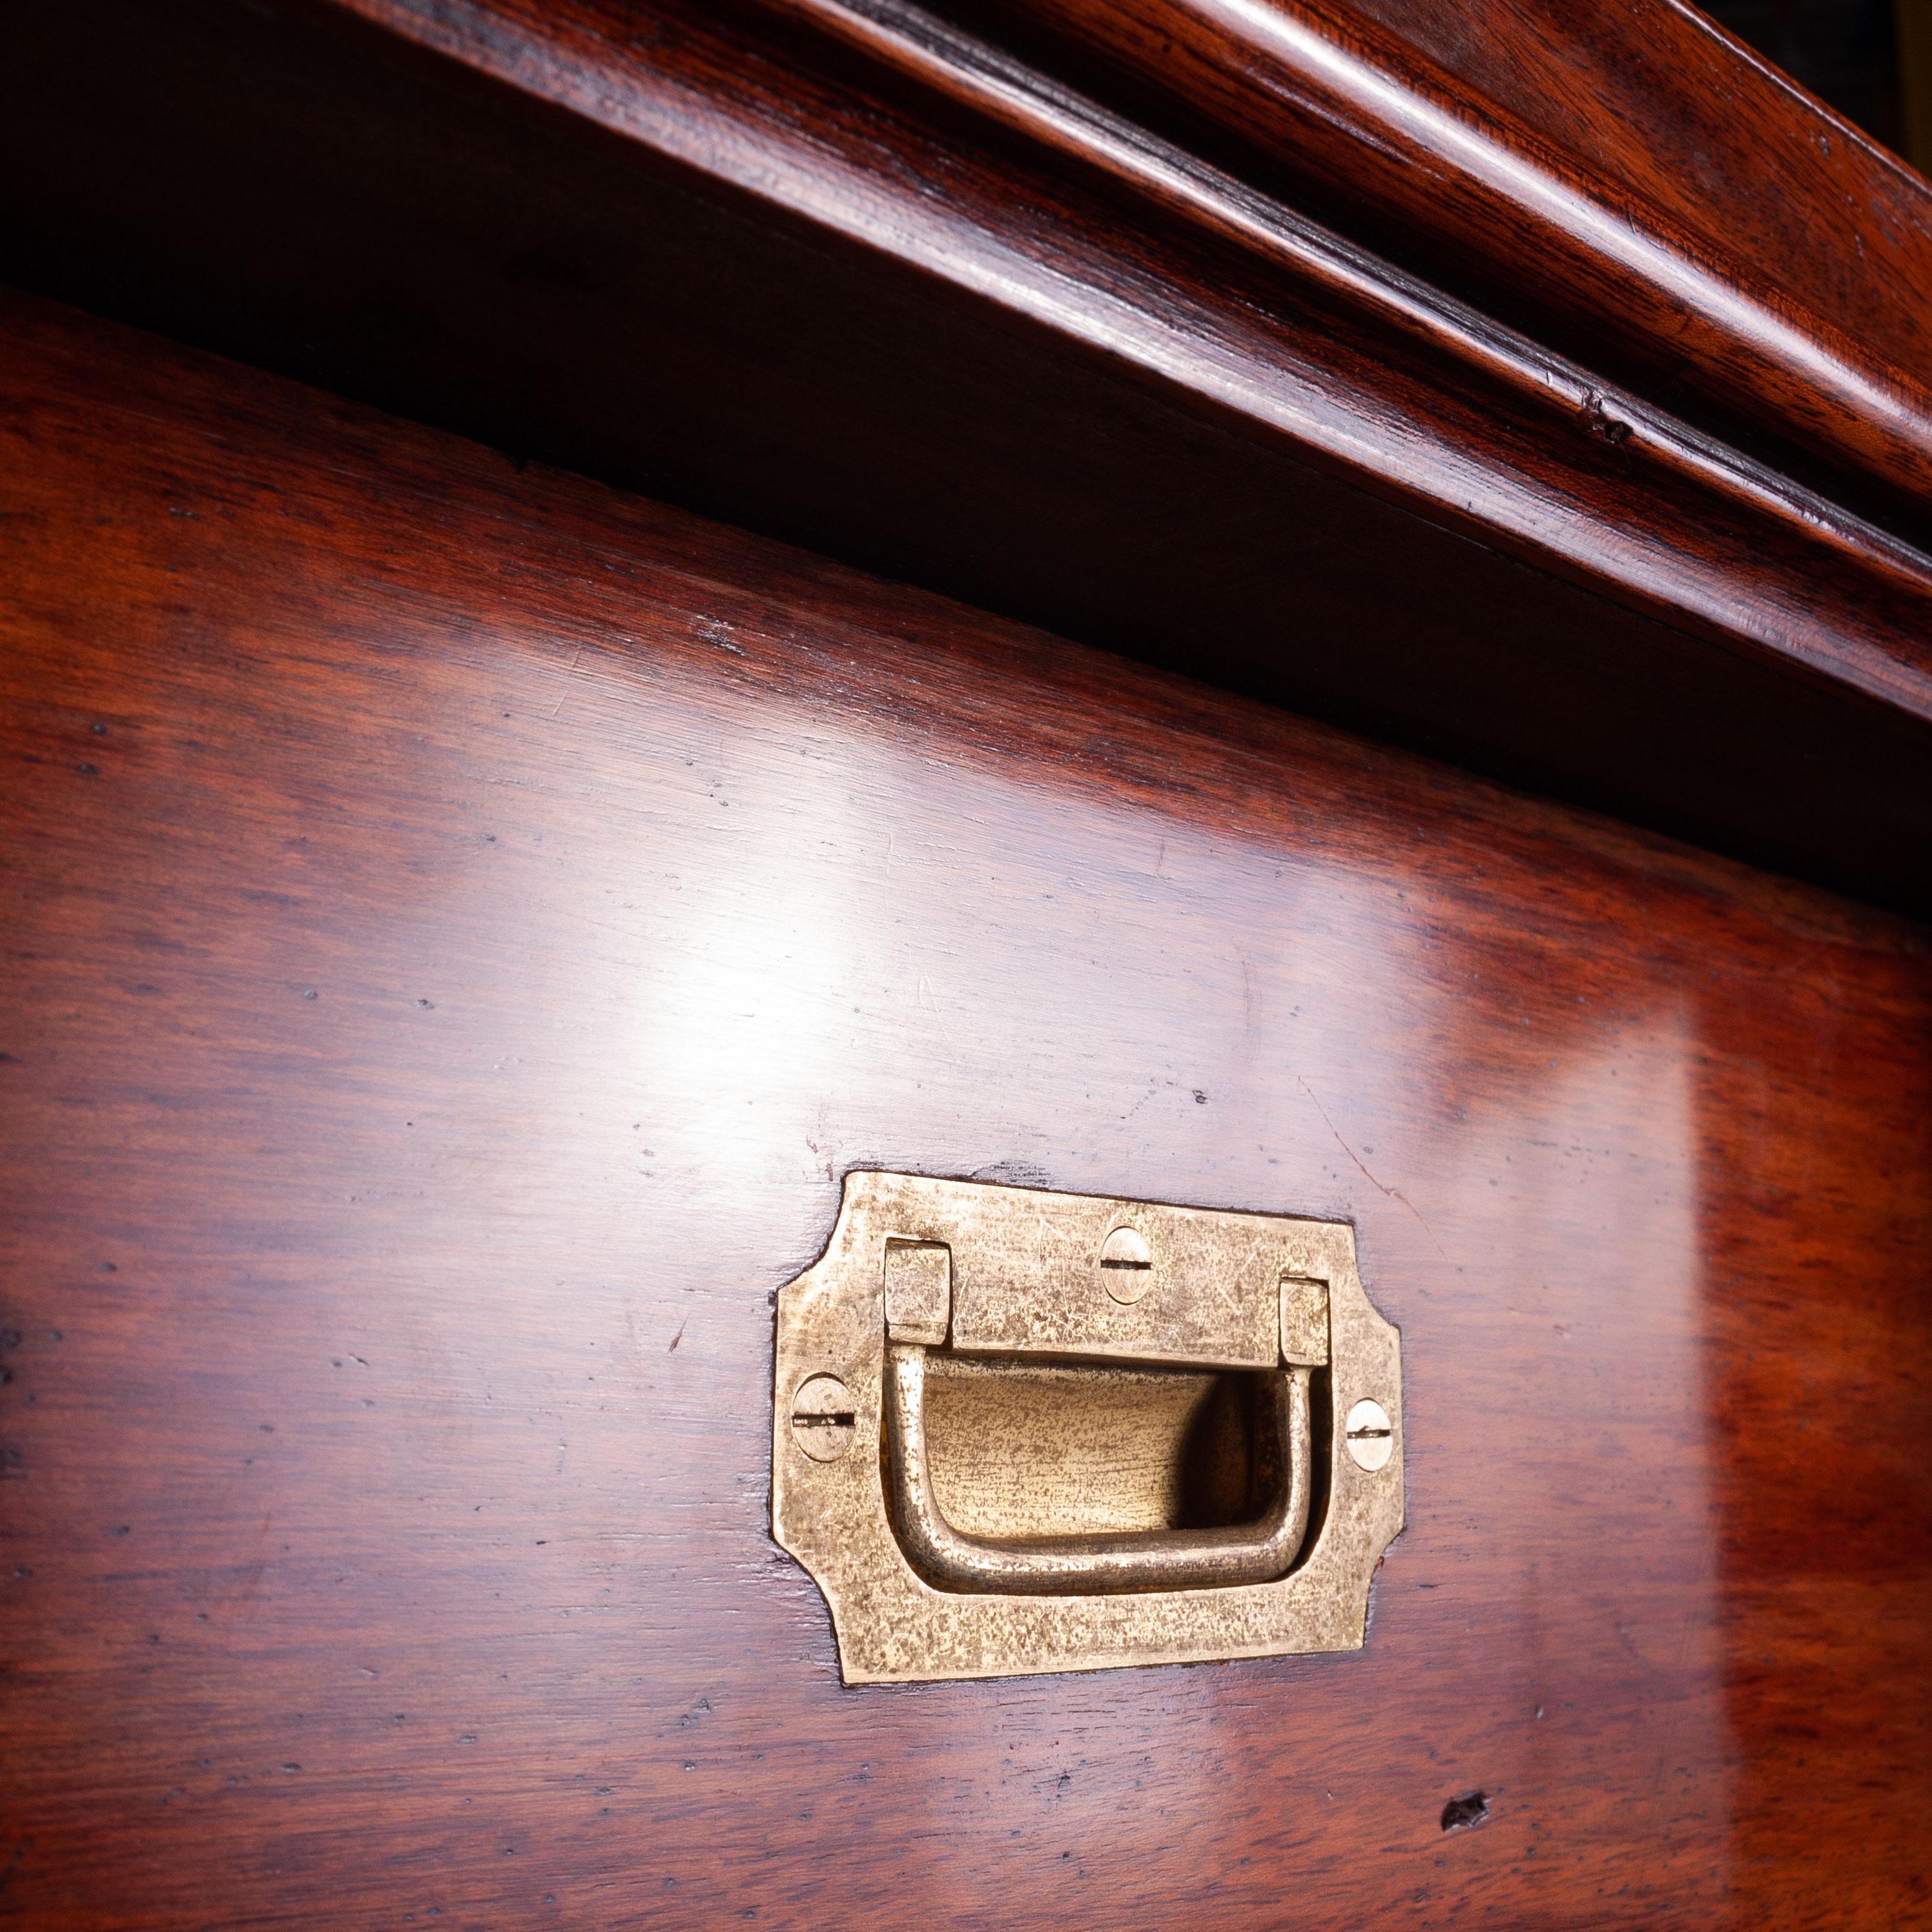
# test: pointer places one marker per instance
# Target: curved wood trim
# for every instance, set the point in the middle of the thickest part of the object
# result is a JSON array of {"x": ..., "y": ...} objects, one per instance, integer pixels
[
  {"x": 1361, "y": 108},
  {"x": 1233, "y": 298}
]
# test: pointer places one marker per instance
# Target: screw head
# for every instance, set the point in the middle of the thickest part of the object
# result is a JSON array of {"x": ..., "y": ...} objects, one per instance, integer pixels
[
  {"x": 824, "y": 1419},
  {"x": 1371, "y": 1440},
  {"x": 1126, "y": 1266}
]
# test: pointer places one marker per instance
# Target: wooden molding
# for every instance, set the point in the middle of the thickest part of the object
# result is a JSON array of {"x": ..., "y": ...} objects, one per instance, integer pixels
[
  {"x": 1410, "y": 393},
  {"x": 1632, "y": 173}
]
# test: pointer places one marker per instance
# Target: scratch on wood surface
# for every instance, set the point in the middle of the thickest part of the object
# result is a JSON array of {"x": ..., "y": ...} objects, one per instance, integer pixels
[{"x": 1393, "y": 1193}]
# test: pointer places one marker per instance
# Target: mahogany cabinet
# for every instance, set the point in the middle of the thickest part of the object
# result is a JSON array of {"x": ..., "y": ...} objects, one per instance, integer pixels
[{"x": 615, "y": 613}]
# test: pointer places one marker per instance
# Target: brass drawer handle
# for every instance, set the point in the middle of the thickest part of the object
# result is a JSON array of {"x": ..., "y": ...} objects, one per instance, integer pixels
[
  {"x": 1256, "y": 1552},
  {"x": 1014, "y": 1430}
]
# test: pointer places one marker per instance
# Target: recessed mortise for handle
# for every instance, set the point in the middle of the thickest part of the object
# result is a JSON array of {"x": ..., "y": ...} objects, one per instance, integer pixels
[
  {"x": 1020, "y": 1431},
  {"x": 1076, "y": 1565}
]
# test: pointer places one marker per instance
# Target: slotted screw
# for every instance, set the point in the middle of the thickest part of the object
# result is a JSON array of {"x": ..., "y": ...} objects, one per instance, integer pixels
[
  {"x": 823, "y": 1417},
  {"x": 1371, "y": 1439}
]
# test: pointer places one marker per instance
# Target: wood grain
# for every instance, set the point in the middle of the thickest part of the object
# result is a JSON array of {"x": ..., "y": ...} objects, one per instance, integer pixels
[
  {"x": 840, "y": 275},
  {"x": 460, "y": 922}
]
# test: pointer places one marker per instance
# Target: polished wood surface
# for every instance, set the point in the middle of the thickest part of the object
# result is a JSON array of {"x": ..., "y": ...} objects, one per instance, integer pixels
[
  {"x": 1628, "y": 174},
  {"x": 460, "y": 923},
  {"x": 849, "y": 276}
]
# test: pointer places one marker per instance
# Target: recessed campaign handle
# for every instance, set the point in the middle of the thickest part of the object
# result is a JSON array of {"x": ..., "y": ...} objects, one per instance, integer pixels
[{"x": 1256, "y": 1552}]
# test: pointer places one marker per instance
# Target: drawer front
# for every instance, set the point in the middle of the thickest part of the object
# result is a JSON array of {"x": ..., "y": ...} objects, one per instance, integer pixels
[{"x": 463, "y": 925}]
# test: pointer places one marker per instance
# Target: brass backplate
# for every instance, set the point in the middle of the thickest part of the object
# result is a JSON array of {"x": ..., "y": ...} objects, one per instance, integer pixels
[{"x": 1086, "y": 1359}]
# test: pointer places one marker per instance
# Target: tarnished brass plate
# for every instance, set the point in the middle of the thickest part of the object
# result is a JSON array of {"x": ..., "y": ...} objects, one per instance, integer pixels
[{"x": 1123, "y": 1394}]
